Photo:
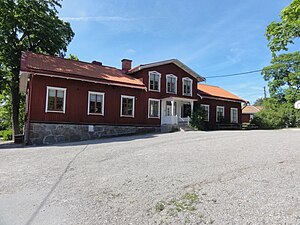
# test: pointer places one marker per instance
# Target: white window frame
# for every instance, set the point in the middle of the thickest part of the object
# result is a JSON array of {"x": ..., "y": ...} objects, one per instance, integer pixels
[
  {"x": 204, "y": 105},
  {"x": 159, "y": 82},
  {"x": 191, "y": 88},
  {"x": 221, "y": 107},
  {"x": 65, "y": 99},
  {"x": 171, "y": 75},
  {"x": 231, "y": 115},
  {"x": 89, "y": 98},
  {"x": 155, "y": 100},
  {"x": 133, "y": 105}
]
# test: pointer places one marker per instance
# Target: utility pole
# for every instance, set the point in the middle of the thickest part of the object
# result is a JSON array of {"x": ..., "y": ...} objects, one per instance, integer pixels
[{"x": 265, "y": 92}]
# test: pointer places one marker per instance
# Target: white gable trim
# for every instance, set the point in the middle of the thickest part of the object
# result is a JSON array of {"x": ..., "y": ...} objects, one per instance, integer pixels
[{"x": 176, "y": 62}]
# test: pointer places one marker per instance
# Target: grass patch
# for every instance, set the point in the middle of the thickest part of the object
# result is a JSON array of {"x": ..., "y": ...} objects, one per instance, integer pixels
[{"x": 160, "y": 206}]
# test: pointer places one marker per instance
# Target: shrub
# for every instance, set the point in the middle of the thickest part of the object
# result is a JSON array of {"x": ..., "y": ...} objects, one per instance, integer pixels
[
  {"x": 197, "y": 119},
  {"x": 6, "y": 134},
  {"x": 276, "y": 116}
]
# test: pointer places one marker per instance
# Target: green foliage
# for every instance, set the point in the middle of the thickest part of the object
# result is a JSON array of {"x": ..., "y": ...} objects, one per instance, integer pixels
[
  {"x": 5, "y": 111},
  {"x": 276, "y": 115},
  {"x": 198, "y": 116},
  {"x": 28, "y": 25},
  {"x": 283, "y": 76},
  {"x": 280, "y": 34},
  {"x": 258, "y": 102},
  {"x": 6, "y": 134},
  {"x": 73, "y": 57}
]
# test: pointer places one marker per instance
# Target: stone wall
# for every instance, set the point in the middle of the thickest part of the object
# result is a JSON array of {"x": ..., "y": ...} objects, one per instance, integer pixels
[{"x": 46, "y": 134}]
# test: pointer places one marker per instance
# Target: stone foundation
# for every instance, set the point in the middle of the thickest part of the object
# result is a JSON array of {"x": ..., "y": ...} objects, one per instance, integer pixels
[{"x": 47, "y": 134}]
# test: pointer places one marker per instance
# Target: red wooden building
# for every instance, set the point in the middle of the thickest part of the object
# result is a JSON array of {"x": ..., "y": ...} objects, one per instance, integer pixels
[
  {"x": 223, "y": 109},
  {"x": 69, "y": 100}
]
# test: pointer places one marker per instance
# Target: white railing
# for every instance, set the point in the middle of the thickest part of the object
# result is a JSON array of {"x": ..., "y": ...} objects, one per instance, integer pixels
[{"x": 169, "y": 120}]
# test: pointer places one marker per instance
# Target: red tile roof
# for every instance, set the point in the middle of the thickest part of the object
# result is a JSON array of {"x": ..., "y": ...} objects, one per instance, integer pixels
[
  {"x": 40, "y": 63},
  {"x": 217, "y": 92}
]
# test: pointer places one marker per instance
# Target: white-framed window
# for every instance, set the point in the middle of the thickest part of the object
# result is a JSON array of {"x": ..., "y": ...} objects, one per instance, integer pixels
[
  {"x": 171, "y": 84},
  {"x": 127, "y": 106},
  {"x": 220, "y": 113},
  {"x": 154, "y": 81},
  {"x": 56, "y": 99},
  {"x": 95, "y": 103},
  {"x": 187, "y": 86},
  {"x": 153, "y": 108},
  {"x": 234, "y": 115},
  {"x": 206, "y": 109}
]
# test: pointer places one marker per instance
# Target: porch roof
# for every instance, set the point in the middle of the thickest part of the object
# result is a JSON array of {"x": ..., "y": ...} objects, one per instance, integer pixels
[{"x": 180, "y": 99}]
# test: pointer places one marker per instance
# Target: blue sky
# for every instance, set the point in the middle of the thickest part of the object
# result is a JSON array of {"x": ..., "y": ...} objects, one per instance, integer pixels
[{"x": 211, "y": 37}]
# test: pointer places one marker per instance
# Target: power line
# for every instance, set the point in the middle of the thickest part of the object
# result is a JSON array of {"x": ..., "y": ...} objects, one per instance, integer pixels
[{"x": 235, "y": 74}]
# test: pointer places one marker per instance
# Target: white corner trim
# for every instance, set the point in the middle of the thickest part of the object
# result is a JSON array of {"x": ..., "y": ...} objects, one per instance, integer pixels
[
  {"x": 155, "y": 100},
  {"x": 173, "y": 76},
  {"x": 133, "y": 105},
  {"x": 159, "y": 82},
  {"x": 65, "y": 99},
  {"x": 102, "y": 107}
]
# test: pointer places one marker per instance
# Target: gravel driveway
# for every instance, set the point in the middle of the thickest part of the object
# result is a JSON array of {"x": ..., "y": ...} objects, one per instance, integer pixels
[{"x": 225, "y": 177}]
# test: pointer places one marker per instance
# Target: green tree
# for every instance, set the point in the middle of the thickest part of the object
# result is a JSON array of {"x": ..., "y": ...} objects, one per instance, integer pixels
[
  {"x": 28, "y": 25},
  {"x": 281, "y": 34},
  {"x": 283, "y": 75},
  {"x": 258, "y": 102}
]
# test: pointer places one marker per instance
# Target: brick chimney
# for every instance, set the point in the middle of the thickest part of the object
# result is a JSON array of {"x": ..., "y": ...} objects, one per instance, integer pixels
[
  {"x": 126, "y": 64},
  {"x": 97, "y": 63}
]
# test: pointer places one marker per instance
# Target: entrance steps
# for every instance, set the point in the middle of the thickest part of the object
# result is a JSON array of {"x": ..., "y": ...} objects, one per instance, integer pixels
[{"x": 184, "y": 126}]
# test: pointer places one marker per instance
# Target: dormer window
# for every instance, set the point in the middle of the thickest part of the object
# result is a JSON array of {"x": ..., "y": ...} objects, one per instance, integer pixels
[
  {"x": 187, "y": 85},
  {"x": 154, "y": 81},
  {"x": 171, "y": 82}
]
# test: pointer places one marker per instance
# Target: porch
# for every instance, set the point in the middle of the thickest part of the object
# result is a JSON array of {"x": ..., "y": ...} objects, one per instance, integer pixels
[{"x": 176, "y": 111}]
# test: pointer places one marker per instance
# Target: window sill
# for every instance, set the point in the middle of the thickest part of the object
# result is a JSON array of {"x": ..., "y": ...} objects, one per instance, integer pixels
[
  {"x": 50, "y": 111},
  {"x": 95, "y": 114},
  {"x": 154, "y": 90},
  {"x": 152, "y": 117},
  {"x": 128, "y": 116},
  {"x": 174, "y": 93}
]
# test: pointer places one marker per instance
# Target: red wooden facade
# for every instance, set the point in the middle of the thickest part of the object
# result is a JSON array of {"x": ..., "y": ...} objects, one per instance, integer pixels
[{"x": 77, "y": 79}]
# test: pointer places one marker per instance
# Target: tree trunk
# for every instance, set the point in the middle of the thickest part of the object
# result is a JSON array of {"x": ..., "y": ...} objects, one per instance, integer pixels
[{"x": 15, "y": 97}]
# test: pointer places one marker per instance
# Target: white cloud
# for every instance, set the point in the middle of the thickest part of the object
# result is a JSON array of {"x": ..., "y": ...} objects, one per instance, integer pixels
[{"x": 130, "y": 51}]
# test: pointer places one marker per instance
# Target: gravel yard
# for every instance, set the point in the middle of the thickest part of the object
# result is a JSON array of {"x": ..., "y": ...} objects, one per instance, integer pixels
[{"x": 225, "y": 177}]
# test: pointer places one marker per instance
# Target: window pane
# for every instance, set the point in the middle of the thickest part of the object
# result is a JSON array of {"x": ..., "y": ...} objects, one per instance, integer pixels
[
  {"x": 98, "y": 107},
  {"x": 99, "y": 98},
  {"x": 153, "y": 109},
  {"x": 51, "y": 93},
  {"x": 127, "y": 106},
  {"x": 92, "y": 107},
  {"x": 154, "y": 81},
  {"x": 60, "y": 94},
  {"x": 51, "y": 101},
  {"x": 92, "y": 97},
  {"x": 59, "y": 104}
]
